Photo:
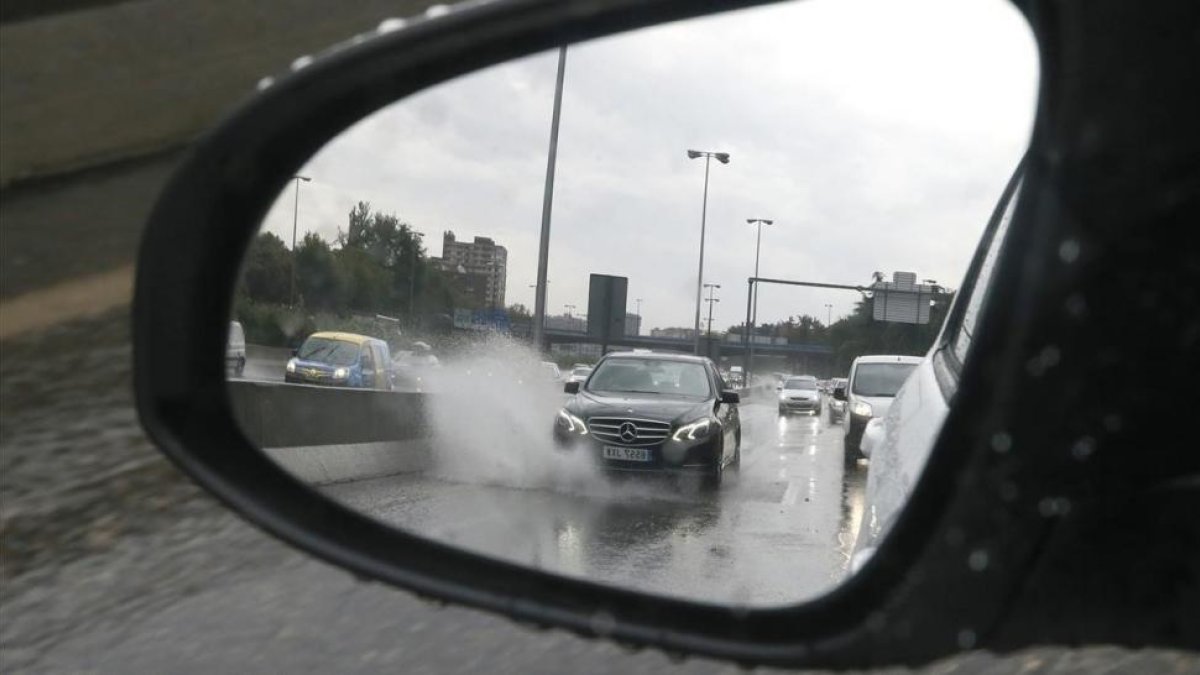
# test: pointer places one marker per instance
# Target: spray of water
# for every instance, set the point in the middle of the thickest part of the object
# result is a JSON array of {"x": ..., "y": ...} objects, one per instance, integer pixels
[{"x": 492, "y": 412}]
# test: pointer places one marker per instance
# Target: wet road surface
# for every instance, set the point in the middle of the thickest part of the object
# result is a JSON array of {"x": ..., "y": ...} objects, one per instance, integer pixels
[{"x": 779, "y": 529}]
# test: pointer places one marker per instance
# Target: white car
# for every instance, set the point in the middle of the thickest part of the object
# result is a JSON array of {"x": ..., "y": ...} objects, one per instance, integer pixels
[
  {"x": 799, "y": 393},
  {"x": 552, "y": 372},
  {"x": 873, "y": 383},
  {"x": 579, "y": 373},
  {"x": 900, "y": 439}
]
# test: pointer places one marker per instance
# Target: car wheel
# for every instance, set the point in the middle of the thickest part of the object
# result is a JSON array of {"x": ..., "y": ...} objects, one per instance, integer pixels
[
  {"x": 850, "y": 452},
  {"x": 713, "y": 479}
]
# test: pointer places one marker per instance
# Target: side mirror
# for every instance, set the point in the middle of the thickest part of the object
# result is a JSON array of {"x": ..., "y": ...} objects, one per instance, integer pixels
[
  {"x": 295, "y": 352},
  {"x": 839, "y": 394},
  {"x": 731, "y": 397},
  {"x": 571, "y": 387},
  {"x": 779, "y": 387}
]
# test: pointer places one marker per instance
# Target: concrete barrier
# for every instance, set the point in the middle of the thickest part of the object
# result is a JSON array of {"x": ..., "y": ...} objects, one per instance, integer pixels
[{"x": 328, "y": 434}]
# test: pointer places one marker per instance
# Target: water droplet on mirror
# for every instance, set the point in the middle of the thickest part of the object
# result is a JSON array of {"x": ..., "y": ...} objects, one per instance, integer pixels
[
  {"x": 1050, "y": 507},
  {"x": 978, "y": 560},
  {"x": 1076, "y": 305},
  {"x": 392, "y": 24},
  {"x": 265, "y": 83},
  {"x": 1001, "y": 442},
  {"x": 302, "y": 62},
  {"x": 966, "y": 638},
  {"x": 1083, "y": 448},
  {"x": 435, "y": 11},
  {"x": 1068, "y": 250}
]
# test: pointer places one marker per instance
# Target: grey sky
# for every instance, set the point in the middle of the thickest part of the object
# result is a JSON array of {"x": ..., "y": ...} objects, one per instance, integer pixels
[{"x": 877, "y": 133}]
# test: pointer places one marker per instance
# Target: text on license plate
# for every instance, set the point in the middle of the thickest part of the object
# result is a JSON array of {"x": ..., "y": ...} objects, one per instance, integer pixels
[{"x": 626, "y": 454}]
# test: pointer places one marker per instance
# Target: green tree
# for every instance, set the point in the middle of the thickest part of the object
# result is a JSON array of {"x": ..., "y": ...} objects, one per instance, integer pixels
[
  {"x": 266, "y": 275},
  {"x": 319, "y": 279}
]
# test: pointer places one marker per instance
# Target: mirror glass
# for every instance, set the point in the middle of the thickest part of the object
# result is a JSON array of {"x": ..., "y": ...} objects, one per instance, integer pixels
[{"x": 386, "y": 346}]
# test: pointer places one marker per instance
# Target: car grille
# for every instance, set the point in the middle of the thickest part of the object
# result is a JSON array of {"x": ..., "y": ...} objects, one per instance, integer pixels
[{"x": 649, "y": 432}]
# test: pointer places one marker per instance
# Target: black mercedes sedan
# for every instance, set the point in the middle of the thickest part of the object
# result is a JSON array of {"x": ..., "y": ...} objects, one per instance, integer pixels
[{"x": 650, "y": 412}]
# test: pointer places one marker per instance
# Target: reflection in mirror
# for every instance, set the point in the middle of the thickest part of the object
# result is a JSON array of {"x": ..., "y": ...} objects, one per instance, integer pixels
[{"x": 641, "y": 415}]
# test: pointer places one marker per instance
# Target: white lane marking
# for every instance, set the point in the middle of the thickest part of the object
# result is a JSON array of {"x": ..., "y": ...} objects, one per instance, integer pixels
[{"x": 791, "y": 494}]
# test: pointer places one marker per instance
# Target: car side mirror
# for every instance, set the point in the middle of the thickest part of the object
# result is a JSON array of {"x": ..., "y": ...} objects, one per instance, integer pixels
[
  {"x": 730, "y": 397},
  {"x": 295, "y": 352},
  {"x": 571, "y": 387},
  {"x": 839, "y": 394},
  {"x": 779, "y": 387}
]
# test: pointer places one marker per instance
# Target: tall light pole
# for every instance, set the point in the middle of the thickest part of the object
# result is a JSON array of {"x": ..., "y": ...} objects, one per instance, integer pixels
[
  {"x": 295, "y": 220},
  {"x": 711, "y": 289},
  {"x": 828, "y": 315},
  {"x": 758, "y": 222},
  {"x": 412, "y": 273},
  {"x": 639, "y": 315},
  {"x": 539, "y": 296},
  {"x": 722, "y": 157},
  {"x": 569, "y": 308}
]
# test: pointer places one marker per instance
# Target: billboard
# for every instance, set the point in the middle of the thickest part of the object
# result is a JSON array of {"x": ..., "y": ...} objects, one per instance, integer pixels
[
  {"x": 901, "y": 300},
  {"x": 481, "y": 319}
]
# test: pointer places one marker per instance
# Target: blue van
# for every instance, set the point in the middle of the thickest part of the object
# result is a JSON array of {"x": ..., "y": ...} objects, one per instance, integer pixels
[{"x": 341, "y": 360}]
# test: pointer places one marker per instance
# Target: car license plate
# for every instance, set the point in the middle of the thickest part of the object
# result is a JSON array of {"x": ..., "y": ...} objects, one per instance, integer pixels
[{"x": 626, "y": 454}]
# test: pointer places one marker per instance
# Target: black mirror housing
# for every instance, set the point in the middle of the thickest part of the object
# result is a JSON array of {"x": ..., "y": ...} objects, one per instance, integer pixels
[
  {"x": 730, "y": 397},
  {"x": 571, "y": 387},
  {"x": 839, "y": 394}
]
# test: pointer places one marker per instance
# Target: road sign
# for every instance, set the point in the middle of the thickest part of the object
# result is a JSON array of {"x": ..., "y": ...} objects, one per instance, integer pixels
[{"x": 606, "y": 307}]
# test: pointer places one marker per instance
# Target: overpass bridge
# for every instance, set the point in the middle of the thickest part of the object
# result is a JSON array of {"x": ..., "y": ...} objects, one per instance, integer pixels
[{"x": 714, "y": 347}]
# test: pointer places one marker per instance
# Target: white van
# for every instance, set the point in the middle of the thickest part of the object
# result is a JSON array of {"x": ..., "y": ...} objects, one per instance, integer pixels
[{"x": 868, "y": 393}]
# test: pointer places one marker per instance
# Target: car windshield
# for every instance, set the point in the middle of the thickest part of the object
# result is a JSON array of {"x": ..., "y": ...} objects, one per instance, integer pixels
[
  {"x": 881, "y": 379},
  {"x": 326, "y": 350},
  {"x": 800, "y": 383},
  {"x": 651, "y": 376}
]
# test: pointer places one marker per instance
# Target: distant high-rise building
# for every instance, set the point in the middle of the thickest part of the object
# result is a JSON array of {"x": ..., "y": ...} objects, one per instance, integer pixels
[{"x": 483, "y": 263}]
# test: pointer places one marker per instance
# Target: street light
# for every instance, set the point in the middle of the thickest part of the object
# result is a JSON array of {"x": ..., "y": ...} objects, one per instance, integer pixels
[
  {"x": 295, "y": 219},
  {"x": 758, "y": 222},
  {"x": 639, "y": 315},
  {"x": 722, "y": 157},
  {"x": 539, "y": 295},
  {"x": 828, "y": 314},
  {"x": 412, "y": 274},
  {"x": 711, "y": 289},
  {"x": 569, "y": 309}
]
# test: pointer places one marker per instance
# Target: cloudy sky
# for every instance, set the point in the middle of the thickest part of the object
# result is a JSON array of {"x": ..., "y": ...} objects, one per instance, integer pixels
[{"x": 878, "y": 134}]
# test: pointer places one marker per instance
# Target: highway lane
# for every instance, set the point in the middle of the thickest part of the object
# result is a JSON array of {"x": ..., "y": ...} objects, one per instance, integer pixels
[{"x": 779, "y": 530}]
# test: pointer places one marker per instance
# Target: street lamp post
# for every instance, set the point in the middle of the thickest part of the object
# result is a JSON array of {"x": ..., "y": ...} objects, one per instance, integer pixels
[
  {"x": 412, "y": 274},
  {"x": 758, "y": 222},
  {"x": 722, "y": 157},
  {"x": 295, "y": 220},
  {"x": 639, "y": 315},
  {"x": 539, "y": 295},
  {"x": 711, "y": 288},
  {"x": 828, "y": 315}
]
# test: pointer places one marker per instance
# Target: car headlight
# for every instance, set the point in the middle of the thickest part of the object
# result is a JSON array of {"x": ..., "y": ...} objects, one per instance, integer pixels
[
  {"x": 340, "y": 374},
  {"x": 570, "y": 423},
  {"x": 695, "y": 431},
  {"x": 861, "y": 409},
  {"x": 291, "y": 365}
]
